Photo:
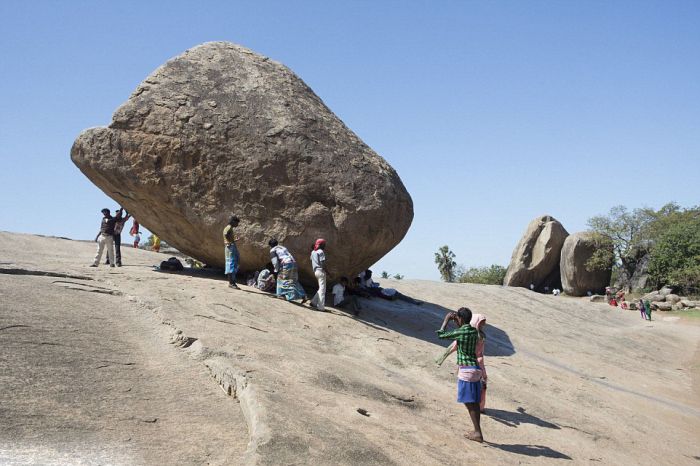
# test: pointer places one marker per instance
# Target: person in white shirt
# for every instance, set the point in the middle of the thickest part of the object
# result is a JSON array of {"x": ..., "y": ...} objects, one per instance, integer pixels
[
  {"x": 343, "y": 299},
  {"x": 318, "y": 264}
]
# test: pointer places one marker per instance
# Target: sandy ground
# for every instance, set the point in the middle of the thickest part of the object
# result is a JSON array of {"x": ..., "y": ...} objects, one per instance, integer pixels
[{"x": 126, "y": 366}]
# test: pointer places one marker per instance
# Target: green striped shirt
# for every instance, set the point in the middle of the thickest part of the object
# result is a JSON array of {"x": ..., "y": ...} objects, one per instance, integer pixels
[{"x": 466, "y": 337}]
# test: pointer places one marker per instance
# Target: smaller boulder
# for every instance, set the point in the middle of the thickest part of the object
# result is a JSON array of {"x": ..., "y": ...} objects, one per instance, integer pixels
[
  {"x": 677, "y": 307},
  {"x": 596, "y": 298},
  {"x": 632, "y": 306},
  {"x": 666, "y": 290},
  {"x": 576, "y": 278},
  {"x": 672, "y": 298},
  {"x": 685, "y": 302},
  {"x": 661, "y": 306},
  {"x": 654, "y": 296}
]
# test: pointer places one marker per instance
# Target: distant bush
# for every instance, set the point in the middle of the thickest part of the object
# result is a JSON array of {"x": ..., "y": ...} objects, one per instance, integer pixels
[
  {"x": 490, "y": 275},
  {"x": 669, "y": 238},
  {"x": 674, "y": 258}
]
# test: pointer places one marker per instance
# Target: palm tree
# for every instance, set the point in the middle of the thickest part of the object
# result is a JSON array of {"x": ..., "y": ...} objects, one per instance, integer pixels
[{"x": 444, "y": 259}]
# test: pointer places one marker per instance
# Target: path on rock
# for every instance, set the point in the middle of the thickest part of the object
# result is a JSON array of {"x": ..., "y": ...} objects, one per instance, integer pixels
[{"x": 568, "y": 379}]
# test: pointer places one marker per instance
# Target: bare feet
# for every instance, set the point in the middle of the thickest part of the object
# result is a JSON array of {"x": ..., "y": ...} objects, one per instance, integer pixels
[{"x": 474, "y": 436}]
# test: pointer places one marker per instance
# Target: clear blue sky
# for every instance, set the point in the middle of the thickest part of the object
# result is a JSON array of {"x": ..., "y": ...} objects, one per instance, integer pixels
[{"x": 491, "y": 112}]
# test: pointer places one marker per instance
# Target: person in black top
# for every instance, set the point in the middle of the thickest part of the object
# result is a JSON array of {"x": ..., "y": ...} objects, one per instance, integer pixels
[
  {"x": 119, "y": 221},
  {"x": 105, "y": 238}
]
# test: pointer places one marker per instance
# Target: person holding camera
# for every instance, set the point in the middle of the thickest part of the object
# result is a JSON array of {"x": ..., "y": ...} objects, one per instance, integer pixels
[{"x": 469, "y": 374}]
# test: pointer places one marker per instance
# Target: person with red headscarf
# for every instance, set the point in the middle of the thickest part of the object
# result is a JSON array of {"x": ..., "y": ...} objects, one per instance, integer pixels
[{"x": 318, "y": 263}]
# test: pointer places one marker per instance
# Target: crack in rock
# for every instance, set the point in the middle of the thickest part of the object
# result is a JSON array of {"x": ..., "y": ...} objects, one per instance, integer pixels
[{"x": 42, "y": 273}]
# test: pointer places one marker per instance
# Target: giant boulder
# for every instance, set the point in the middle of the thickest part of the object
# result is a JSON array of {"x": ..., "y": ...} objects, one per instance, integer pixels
[
  {"x": 535, "y": 259},
  {"x": 221, "y": 130},
  {"x": 576, "y": 278}
]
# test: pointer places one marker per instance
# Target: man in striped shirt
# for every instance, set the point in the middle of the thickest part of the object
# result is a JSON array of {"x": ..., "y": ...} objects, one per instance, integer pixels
[{"x": 469, "y": 374}]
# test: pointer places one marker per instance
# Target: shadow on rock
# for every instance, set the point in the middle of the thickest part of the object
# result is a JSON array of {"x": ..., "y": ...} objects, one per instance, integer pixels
[
  {"x": 421, "y": 321},
  {"x": 514, "y": 419},
  {"x": 530, "y": 450}
]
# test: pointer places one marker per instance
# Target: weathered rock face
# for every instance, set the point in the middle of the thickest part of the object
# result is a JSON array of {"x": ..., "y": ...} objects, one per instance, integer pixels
[
  {"x": 221, "y": 131},
  {"x": 576, "y": 280},
  {"x": 536, "y": 257}
]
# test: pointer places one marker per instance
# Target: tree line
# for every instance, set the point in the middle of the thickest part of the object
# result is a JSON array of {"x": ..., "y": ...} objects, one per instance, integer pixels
[{"x": 662, "y": 246}]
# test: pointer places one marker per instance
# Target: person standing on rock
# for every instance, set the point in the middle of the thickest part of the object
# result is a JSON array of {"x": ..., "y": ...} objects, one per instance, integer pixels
[
  {"x": 105, "y": 238},
  {"x": 156, "y": 244},
  {"x": 469, "y": 373},
  {"x": 287, "y": 271},
  {"x": 232, "y": 258},
  {"x": 642, "y": 309},
  {"x": 318, "y": 264},
  {"x": 479, "y": 322},
  {"x": 647, "y": 309},
  {"x": 119, "y": 222}
]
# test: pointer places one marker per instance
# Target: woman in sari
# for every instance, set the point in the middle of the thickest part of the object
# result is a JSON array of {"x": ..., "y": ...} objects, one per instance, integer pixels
[{"x": 287, "y": 271}]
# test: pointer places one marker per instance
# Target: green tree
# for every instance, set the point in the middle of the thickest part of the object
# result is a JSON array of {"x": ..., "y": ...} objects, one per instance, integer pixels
[
  {"x": 675, "y": 255},
  {"x": 445, "y": 260},
  {"x": 623, "y": 237},
  {"x": 385, "y": 274},
  {"x": 398, "y": 276},
  {"x": 491, "y": 275}
]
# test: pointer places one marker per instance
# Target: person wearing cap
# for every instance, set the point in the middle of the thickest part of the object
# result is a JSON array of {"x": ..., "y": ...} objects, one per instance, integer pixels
[
  {"x": 318, "y": 264},
  {"x": 105, "y": 238}
]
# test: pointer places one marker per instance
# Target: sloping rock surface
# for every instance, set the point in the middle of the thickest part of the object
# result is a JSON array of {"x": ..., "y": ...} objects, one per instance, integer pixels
[
  {"x": 221, "y": 131},
  {"x": 536, "y": 257},
  {"x": 576, "y": 280},
  {"x": 299, "y": 377}
]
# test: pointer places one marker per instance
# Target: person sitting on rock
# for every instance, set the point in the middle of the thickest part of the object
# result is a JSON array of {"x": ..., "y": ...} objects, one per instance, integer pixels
[
  {"x": 288, "y": 286},
  {"x": 266, "y": 280},
  {"x": 231, "y": 256},
  {"x": 356, "y": 289},
  {"x": 343, "y": 299},
  {"x": 369, "y": 285}
]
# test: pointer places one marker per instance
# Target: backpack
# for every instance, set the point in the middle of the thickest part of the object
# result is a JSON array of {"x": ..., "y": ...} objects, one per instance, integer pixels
[{"x": 172, "y": 265}]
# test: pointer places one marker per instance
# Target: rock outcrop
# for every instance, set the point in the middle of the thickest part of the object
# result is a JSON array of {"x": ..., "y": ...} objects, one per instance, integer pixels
[
  {"x": 576, "y": 279},
  {"x": 221, "y": 130},
  {"x": 536, "y": 258}
]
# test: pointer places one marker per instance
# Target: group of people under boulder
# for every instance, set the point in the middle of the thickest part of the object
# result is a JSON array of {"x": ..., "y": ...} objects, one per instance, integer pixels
[{"x": 281, "y": 276}]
